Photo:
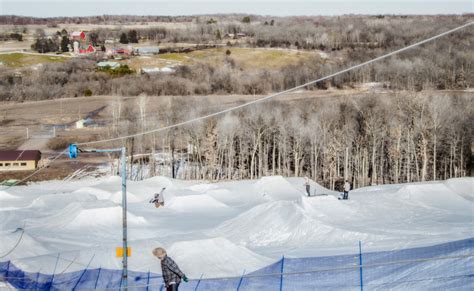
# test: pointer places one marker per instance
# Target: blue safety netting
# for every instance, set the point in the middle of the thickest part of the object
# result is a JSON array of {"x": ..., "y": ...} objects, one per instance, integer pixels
[{"x": 439, "y": 267}]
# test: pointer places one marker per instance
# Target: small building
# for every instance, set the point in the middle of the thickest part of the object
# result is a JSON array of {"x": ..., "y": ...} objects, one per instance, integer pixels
[
  {"x": 118, "y": 51},
  {"x": 78, "y": 35},
  {"x": 19, "y": 160},
  {"x": 111, "y": 65},
  {"x": 156, "y": 70},
  {"x": 90, "y": 49},
  {"x": 147, "y": 51},
  {"x": 150, "y": 70},
  {"x": 80, "y": 123}
]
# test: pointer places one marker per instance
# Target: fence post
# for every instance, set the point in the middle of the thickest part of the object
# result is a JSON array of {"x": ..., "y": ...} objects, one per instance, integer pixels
[
  {"x": 281, "y": 272},
  {"x": 199, "y": 281},
  {"x": 37, "y": 280},
  {"x": 6, "y": 273},
  {"x": 240, "y": 281},
  {"x": 148, "y": 280},
  {"x": 54, "y": 272},
  {"x": 97, "y": 279},
  {"x": 85, "y": 270},
  {"x": 360, "y": 267}
]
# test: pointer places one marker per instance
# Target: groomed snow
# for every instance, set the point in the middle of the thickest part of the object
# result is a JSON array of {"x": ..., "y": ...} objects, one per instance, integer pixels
[{"x": 222, "y": 229}]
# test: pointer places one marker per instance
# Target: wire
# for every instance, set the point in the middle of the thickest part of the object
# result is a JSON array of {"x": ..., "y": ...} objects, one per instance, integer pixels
[
  {"x": 280, "y": 93},
  {"x": 17, "y": 243}
]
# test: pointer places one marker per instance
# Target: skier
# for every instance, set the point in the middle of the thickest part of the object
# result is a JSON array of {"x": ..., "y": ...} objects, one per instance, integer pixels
[
  {"x": 307, "y": 186},
  {"x": 170, "y": 271},
  {"x": 347, "y": 187},
  {"x": 159, "y": 198}
]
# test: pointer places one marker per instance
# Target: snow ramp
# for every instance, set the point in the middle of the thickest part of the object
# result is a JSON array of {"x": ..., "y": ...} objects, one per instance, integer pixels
[
  {"x": 277, "y": 188},
  {"x": 435, "y": 196}
]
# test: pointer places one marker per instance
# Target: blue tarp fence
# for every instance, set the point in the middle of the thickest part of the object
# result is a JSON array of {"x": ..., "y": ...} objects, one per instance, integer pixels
[{"x": 439, "y": 267}]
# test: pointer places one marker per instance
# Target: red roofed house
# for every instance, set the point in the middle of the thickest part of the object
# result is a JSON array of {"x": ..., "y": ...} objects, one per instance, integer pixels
[
  {"x": 88, "y": 50},
  {"x": 19, "y": 160},
  {"x": 78, "y": 35}
]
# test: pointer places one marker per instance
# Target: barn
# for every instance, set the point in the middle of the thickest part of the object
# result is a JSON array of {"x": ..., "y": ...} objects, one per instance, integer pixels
[
  {"x": 78, "y": 35},
  {"x": 90, "y": 49}
]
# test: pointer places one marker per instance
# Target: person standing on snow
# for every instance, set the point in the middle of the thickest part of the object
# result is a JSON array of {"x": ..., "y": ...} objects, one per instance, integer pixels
[
  {"x": 170, "y": 271},
  {"x": 307, "y": 186},
  {"x": 347, "y": 188}
]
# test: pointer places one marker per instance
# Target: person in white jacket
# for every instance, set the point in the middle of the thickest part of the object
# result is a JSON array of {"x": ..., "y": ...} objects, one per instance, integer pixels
[
  {"x": 307, "y": 186},
  {"x": 347, "y": 188}
]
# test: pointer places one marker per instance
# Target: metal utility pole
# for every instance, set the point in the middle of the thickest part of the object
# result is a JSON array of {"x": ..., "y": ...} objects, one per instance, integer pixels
[{"x": 73, "y": 153}]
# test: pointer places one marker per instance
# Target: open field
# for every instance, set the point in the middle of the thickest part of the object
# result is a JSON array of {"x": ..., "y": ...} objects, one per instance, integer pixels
[
  {"x": 245, "y": 58},
  {"x": 17, "y": 60},
  {"x": 6, "y": 46}
]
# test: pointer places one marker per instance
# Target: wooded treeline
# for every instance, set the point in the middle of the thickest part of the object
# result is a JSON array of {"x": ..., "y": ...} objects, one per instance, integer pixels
[
  {"x": 348, "y": 40},
  {"x": 440, "y": 65},
  {"x": 375, "y": 139}
]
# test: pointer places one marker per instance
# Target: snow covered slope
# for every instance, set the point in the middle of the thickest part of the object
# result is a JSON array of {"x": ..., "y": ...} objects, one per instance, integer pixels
[{"x": 221, "y": 229}]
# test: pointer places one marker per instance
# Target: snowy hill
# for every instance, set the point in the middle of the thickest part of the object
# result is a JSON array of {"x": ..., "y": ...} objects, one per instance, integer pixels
[{"x": 205, "y": 226}]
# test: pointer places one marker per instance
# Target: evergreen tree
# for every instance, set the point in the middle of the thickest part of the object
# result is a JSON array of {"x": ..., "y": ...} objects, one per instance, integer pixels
[
  {"x": 64, "y": 44},
  {"x": 123, "y": 38},
  {"x": 132, "y": 36},
  {"x": 246, "y": 19}
]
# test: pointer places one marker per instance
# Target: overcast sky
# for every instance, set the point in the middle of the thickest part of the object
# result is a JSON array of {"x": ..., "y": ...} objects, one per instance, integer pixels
[{"x": 51, "y": 8}]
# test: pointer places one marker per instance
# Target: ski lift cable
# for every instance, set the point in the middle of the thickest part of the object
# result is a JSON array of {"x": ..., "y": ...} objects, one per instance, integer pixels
[{"x": 279, "y": 93}]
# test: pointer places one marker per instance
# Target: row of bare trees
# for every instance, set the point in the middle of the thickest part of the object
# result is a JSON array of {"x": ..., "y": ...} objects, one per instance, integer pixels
[
  {"x": 366, "y": 139},
  {"x": 416, "y": 71}
]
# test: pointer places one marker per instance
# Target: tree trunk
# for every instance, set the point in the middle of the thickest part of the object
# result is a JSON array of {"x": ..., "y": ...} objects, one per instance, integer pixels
[
  {"x": 273, "y": 155},
  {"x": 346, "y": 164},
  {"x": 374, "y": 165},
  {"x": 434, "y": 156}
]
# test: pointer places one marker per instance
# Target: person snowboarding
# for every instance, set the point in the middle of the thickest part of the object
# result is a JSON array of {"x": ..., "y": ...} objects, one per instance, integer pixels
[
  {"x": 159, "y": 198},
  {"x": 307, "y": 186},
  {"x": 347, "y": 188},
  {"x": 170, "y": 271}
]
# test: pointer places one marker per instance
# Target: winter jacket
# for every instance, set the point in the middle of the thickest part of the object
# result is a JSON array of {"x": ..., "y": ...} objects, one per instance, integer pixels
[
  {"x": 171, "y": 272},
  {"x": 347, "y": 187}
]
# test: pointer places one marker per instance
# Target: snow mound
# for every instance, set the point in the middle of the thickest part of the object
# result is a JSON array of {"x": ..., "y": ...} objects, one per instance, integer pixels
[
  {"x": 159, "y": 182},
  {"x": 194, "y": 203},
  {"x": 131, "y": 198},
  {"x": 203, "y": 188},
  {"x": 6, "y": 196},
  {"x": 62, "y": 199},
  {"x": 284, "y": 223},
  {"x": 462, "y": 186},
  {"x": 276, "y": 188},
  {"x": 26, "y": 246},
  {"x": 58, "y": 219},
  {"x": 315, "y": 188},
  {"x": 104, "y": 217},
  {"x": 225, "y": 196},
  {"x": 216, "y": 257},
  {"x": 99, "y": 193},
  {"x": 433, "y": 195}
]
